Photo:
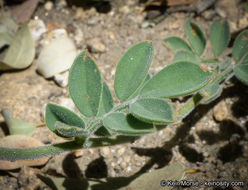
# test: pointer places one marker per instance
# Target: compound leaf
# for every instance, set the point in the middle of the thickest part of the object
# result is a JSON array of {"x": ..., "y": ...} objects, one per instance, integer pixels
[
  {"x": 175, "y": 44},
  {"x": 85, "y": 85},
  {"x": 177, "y": 79},
  {"x": 126, "y": 124},
  {"x": 55, "y": 114},
  {"x": 106, "y": 102},
  {"x": 240, "y": 47},
  {"x": 241, "y": 72},
  {"x": 132, "y": 69},
  {"x": 186, "y": 56},
  {"x": 153, "y": 110},
  {"x": 196, "y": 37},
  {"x": 219, "y": 36}
]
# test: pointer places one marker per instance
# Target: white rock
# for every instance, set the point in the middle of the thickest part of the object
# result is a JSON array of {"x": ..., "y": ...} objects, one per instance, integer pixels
[
  {"x": 43, "y": 112},
  {"x": 68, "y": 103},
  {"x": 62, "y": 79},
  {"x": 57, "y": 55},
  {"x": 96, "y": 46},
  {"x": 48, "y": 5},
  {"x": 37, "y": 28}
]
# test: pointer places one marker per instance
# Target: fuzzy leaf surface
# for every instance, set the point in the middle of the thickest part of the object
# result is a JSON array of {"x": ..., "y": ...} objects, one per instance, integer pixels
[
  {"x": 219, "y": 36},
  {"x": 137, "y": 92},
  {"x": 241, "y": 72},
  {"x": 132, "y": 69},
  {"x": 240, "y": 47},
  {"x": 106, "y": 102},
  {"x": 153, "y": 110},
  {"x": 196, "y": 37},
  {"x": 176, "y": 44},
  {"x": 126, "y": 124},
  {"x": 177, "y": 79},
  {"x": 69, "y": 131},
  {"x": 186, "y": 56},
  {"x": 85, "y": 85},
  {"x": 55, "y": 114}
]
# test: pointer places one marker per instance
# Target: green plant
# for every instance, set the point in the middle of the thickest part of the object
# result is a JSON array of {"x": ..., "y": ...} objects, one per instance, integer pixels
[{"x": 145, "y": 105}]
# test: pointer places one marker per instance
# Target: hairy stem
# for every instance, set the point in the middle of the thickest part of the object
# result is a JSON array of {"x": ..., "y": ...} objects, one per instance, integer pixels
[
  {"x": 225, "y": 74},
  {"x": 188, "y": 107},
  {"x": 13, "y": 154},
  {"x": 213, "y": 60}
]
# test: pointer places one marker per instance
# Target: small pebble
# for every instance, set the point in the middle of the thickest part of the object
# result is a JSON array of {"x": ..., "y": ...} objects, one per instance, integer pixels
[
  {"x": 125, "y": 9},
  {"x": 105, "y": 151},
  {"x": 127, "y": 158},
  {"x": 123, "y": 165},
  {"x": 43, "y": 112},
  {"x": 62, "y": 79},
  {"x": 67, "y": 102},
  {"x": 37, "y": 28},
  {"x": 220, "y": 111},
  {"x": 121, "y": 151},
  {"x": 48, "y": 5},
  {"x": 78, "y": 153},
  {"x": 96, "y": 46}
]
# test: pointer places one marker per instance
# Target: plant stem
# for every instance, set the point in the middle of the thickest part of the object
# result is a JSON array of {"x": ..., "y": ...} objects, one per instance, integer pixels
[
  {"x": 188, "y": 107},
  {"x": 212, "y": 60},
  {"x": 225, "y": 74},
  {"x": 13, "y": 154}
]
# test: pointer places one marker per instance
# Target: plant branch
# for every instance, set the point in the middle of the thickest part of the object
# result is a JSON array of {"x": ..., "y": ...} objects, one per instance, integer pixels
[
  {"x": 213, "y": 60},
  {"x": 189, "y": 106},
  {"x": 14, "y": 154}
]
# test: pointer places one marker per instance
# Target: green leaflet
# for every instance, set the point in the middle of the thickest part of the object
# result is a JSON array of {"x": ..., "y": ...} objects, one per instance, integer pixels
[
  {"x": 106, "y": 102},
  {"x": 55, "y": 113},
  {"x": 126, "y": 124},
  {"x": 186, "y": 56},
  {"x": 132, "y": 69},
  {"x": 85, "y": 85},
  {"x": 196, "y": 37},
  {"x": 175, "y": 44},
  {"x": 69, "y": 131},
  {"x": 241, "y": 72},
  {"x": 240, "y": 47},
  {"x": 153, "y": 110},
  {"x": 177, "y": 79},
  {"x": 219, "y": 36},
  {"x": 137, "y": 92}
]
